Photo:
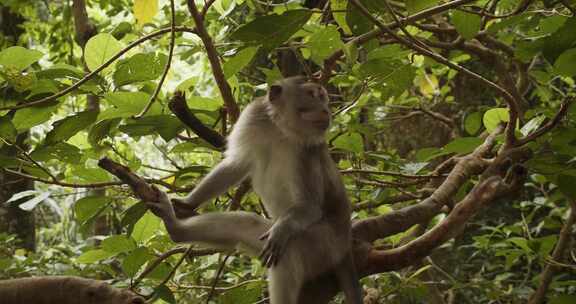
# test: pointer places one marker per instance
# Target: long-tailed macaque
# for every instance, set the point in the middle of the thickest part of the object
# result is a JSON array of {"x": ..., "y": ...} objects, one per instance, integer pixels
[{"x": 279, "y": 143}]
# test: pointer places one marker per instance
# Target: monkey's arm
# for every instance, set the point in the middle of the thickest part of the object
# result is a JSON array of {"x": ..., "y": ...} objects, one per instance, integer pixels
[
  {"x": 296, "y": 220},
  {"x": 225, "y": 175}
]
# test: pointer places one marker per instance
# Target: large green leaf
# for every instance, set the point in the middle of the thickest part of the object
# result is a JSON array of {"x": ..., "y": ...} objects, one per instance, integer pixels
[
  {"x": 18, "y": 57},
  {"x": 414, "y": 6},
  {"x": 88, "y": 207},
  {"x": 7, "y": 130},
  {"x": 338, "y": 6},
  {"x": 69, "y": 126},
  {"x": 566, "y": 184},
  {"x": 565, "y": 65},
  {"x": 27, "y": 118},
  {"x": 146, "y": 227},
  {"x": 60, "y": 151},
  {"x": 473, "y": 123},
  {"x": 350, "y": 142},
  {"x": 127, "y": 104},
  {"x": 166, "y": 125},
  {"x": 102, "y": 130},
  {"x": 140, "y": 67},
  {"x": 118, "y": 244},
  {"x": 134, "y": 261},
  {"x": 99, "y": 49},
  {"x": 323, "y": 42},
  {"x": 241, "y": 59},
  {"x": 467, "y": 24},
  {"x": 94, "y": 256},
  {"x": 493, "y": 117},
  {"x": 462, "y": 145},
  {"x": 272, "y": 30}
]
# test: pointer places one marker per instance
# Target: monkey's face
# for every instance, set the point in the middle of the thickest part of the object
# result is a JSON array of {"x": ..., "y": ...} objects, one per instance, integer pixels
[{"x": 301, "y": 108}]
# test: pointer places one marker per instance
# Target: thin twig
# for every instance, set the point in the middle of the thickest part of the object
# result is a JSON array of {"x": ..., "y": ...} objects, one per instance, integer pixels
[
  {"x": 168, "y": 62},
  {"x": 216, "y": 278},
  {"x": 213, "y": 58},
  {"x": 549, "y": 125}
]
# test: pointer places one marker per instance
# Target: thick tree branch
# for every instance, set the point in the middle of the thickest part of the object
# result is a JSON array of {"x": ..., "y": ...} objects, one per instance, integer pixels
[
  {"x": 374, "y": 228},
  {"x": 483, "y": 193},
  {"x": 212, "y": 53},
  {"x": 178, "y": 106},
  {"x": 85, "y": 29}
]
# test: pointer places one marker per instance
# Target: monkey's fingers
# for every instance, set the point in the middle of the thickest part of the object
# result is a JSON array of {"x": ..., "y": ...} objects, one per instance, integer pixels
[{"x": 264, "y": 236}]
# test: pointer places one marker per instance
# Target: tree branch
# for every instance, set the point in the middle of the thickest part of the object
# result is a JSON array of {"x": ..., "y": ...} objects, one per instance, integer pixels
[
  {"x": 212, "y": 54},
  {"x": 549, "y": 125},
  {"x": 178, "y": 106},
  {"x": 374, "y": 228},
  {"x": 548, "y": 273}
]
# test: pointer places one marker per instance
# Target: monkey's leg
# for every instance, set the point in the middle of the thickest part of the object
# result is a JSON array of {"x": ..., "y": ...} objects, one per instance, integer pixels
[
  {"x": 221, "y": 230},
  {"x": 285, "y": 281},
  {"x": 348, "y": 280},
  {"x": 225, "y": 175}
]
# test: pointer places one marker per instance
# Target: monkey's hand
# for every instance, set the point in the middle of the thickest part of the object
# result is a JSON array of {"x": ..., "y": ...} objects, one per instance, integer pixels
[
  {"x": 161, "y": 207},
  {"x": 183, "y": 209},
  {"x": 276, "y": 240}
]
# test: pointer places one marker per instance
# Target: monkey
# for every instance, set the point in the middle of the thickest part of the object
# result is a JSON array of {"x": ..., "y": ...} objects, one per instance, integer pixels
[{"x": 279, "y": 143}]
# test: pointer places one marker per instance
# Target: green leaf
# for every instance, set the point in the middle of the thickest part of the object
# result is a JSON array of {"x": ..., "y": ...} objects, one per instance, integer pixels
[
  {"x": 462, "y": 145},
  {"x": 235, "y": 64},
  {"x": 414, "y": 6},
  {"x": 89, "y": 206},
  {"x": 467, "y": 24},
  {"x": 323, "y": 42},
  {"x": 127, "y": 104},
  {"x": 118, "y": 244},
  {"x": 60, "y": 70},
  {"x": 19, "y": 58},
  {"x": 563, "y": 299},
  {"x": 134, "y": 261},
  {"x": 145, "y": 10},
  {"x": 102, "y": 130},
  {"x": 350, "y": 142},
  {"x": 565, "y": 65},
  {"x": 249, "y": 293},
  {"x": 340, "y": 17},
  {"x": 60, "y": 151},
  {"x": 166, "y": 125},
  {"x": 146, "y": 227},
  {"x": 132, "y": 215},
  {"x": 493, "y": 117},
  {"x": 69, "y": 126},
  {"x": 204, "y": 103},
  {"x": 138, "y": 68},
  {"x": 560, "y": 41},
  {"x": 520, "y": 242},
  {"x": 473, "y": 123},
  {"x": 7, "y": 130},
  {"x": 94, "y": 256},
  {"x": 272, "y": 30},
  {"x": 26, "y": 118},
  {"x": 566, "y": 185},
  {"x": 99, "y": 49}
]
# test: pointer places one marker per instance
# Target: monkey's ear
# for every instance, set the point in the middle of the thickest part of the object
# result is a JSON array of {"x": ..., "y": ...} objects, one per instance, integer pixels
[{"x": 275, "y": 92}]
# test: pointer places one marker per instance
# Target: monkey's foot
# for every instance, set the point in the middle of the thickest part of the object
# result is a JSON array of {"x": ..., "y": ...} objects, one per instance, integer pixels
[{"x": 182, "y": 209}]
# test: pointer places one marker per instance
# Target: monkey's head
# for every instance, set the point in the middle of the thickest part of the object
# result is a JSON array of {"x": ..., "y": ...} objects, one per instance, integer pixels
[{"x": 300, "y": 109}]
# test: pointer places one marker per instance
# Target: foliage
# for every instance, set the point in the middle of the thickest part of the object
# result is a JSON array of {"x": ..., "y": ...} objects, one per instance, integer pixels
[{"x": 396, "y": 110}]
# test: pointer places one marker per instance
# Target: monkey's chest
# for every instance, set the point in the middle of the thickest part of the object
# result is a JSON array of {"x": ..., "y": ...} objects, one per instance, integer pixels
[{"x": 273, "y": 179}]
